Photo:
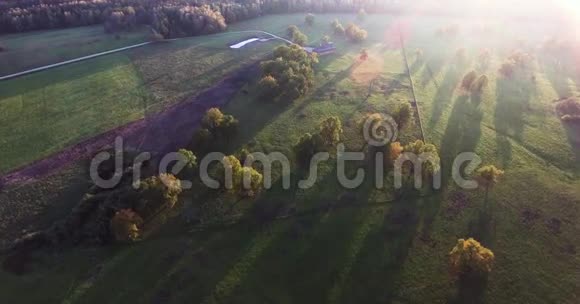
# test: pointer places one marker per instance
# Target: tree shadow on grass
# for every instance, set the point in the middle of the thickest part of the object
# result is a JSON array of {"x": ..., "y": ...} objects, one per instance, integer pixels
[
  {"x": 462, "y": 134},
  {"x": 380, "y": 261},
  {"x": 512, "y": 103},
  {"x": 559, "y": 74},
  {"x": 445, "y": 92},
  {"x": 573, "y": 133},
  {"x": 417, "y": 65},
  {"x": 470, "y": 290},
  {"x": 433, "y": 66}
]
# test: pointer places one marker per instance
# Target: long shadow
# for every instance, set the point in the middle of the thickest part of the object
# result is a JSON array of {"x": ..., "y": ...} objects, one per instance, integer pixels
[
  {"x": 558, "y": 72},
  {"x": 417, "y": 65},
  {"x": 573, "y": 133},
  {"x": 433, "y": 66},
  {"x": 470, "y": 290},
  {"x": 380, "y": 262},
  {"x": 462, "y": 134},
  {"x": 512, "y": 103},
  {"x": 445, "y": 92}
]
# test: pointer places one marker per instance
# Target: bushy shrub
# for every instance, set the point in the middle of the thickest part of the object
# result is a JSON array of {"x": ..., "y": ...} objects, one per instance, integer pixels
[
  {"x": 488, "y": 175},
  {"x": 157, "y": 193},
  {"x": 309, "y": 19},
  {"x": 355, "y": 33},
  {"x": 300, "y": 38},
  {"x": 428, "y": 152},
  {"x": 125, "y": 225},
  {"x": 395, "y": 149},
  {"x": 331, "y": 131},
  {"x": 307, "y": 146},
  {"x": 215, "y": 127},
  {"x": 296, "y": 35},
  {"x": 337, "y": 28},
  {"x": 292, "y": 68},
  {"x": 239, "y": 172},
  {"x": 568, "y": 109},
  {"x": 470, "y": 257},
  {"x": 507, "y": 69},
  {"x": 291, "y": 30},
  {"x": 403, "y": 115},
  {"x": 268, "y": 86}
]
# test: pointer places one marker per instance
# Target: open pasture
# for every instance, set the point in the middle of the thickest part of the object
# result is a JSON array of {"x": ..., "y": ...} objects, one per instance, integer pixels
[{"x": 340, "y": 245}]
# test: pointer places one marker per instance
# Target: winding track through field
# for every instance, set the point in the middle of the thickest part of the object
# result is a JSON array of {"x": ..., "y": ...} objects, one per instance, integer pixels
[{"x": 161, "y": 133}]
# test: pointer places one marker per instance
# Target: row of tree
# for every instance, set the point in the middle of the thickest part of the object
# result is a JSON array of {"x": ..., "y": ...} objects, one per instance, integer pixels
[{"x": 21, "y": 16}]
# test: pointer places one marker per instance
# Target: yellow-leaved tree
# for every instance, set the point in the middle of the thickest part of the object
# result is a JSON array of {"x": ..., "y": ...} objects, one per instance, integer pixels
[
  {"x": 488, "y": 176},
  {"x": 469, "y": 257}
]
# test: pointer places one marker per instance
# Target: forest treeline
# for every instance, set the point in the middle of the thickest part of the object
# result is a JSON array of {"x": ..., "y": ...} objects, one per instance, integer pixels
[{"x": 170, "y": 18}]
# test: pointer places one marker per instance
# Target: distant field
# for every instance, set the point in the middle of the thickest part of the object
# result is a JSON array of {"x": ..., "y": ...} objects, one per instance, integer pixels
[
  {"x": 35, "y": 49},
  {"x": 342, "y": 246}
]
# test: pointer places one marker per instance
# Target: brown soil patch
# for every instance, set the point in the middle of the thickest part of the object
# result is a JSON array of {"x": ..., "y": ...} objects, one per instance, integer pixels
[{"x": 365, "y": 71}]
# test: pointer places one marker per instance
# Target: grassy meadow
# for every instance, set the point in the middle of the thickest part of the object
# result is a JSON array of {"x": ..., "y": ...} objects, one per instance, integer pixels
[{"x": 340, "y": 246}]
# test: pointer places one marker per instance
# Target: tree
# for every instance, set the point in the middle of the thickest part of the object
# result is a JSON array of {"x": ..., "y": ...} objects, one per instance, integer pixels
[
  {"x": 307, "y": 146},
  {"x": 331, "y": 131},
  {"x": 325, "y": 40},
  {"x": 190, "y": 158},
  {"x": 125, "y": 225},
  {"x": 268, "y": 86},
  {"x": 300, "y": 38},
  {"x": 361, "y": 15},
  {"x": 429, "y": 153},
  {"x": 364, "y": 55},
  {"x": 403, "y": 115},
  {"x": 507, "y": 69},
  {"x": 488, "y": 176},
  {"x": 239, "y": 173},
  {"x": 337, "y": 28},
  {"x": 309, "y": 19},
  {"x": 217, "y": 125},
  {"x": 292, "y": 68},
  {"x": 395, "y": 149},
  {"x": 157, "y": 193},
  {"x": 212, "y": 119},
  {"x": 469, "y": 257},
  {"x": 355, "y": 33},
  {"x": 291, "y": 30}
]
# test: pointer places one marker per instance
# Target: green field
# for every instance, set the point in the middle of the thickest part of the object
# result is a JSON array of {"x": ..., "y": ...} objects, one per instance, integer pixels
[
  {"x": 373, "y": 249},
  {"x": 36, "y": 49}
]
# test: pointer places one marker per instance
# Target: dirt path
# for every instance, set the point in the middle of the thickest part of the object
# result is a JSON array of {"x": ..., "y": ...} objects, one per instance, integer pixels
[{"x": 163, "y": 132}]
